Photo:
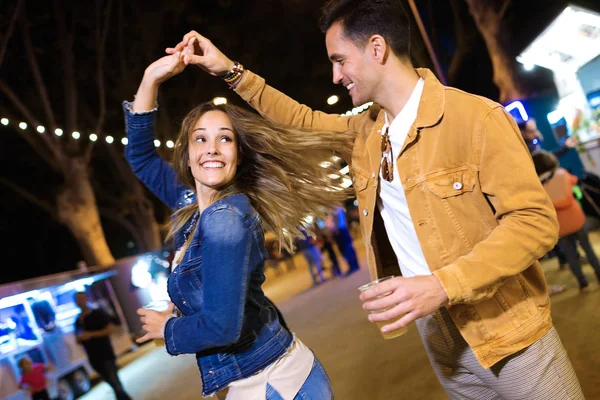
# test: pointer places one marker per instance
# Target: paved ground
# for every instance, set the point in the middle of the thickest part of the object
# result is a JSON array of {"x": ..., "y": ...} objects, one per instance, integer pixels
[{"x": 361, "y": 365}]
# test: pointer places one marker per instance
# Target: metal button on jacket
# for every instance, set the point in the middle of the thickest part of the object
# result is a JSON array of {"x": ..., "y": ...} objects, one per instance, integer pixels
[
  {"x": 365, "y": 212},
  {"x": 457, "y": 185}
]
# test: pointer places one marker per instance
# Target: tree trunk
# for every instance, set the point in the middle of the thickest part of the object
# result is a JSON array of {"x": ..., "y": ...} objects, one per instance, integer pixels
[
  {"x": 488, "y": 18},
  {"x": 76, "y": 208},
  {"x": 504, "y": 73}
]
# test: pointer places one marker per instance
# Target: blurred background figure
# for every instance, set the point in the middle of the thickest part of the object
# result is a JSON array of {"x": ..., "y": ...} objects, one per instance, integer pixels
[
  {"x": 533, "y": 139},
  {"x": 559, "y": 183},
  {"x": 33, "y": 378},
  {"x": 338, "y": 225},
  {"x": 92, "y": 330},
  {"x": 323, "y": 231},
  {"x": 275, "y": 257},
  {"x": 288, "y": 259},
  {"x": 312, "y": 254}
]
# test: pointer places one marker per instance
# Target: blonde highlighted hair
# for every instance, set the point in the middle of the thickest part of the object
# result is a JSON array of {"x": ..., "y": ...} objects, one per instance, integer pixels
[{"x": 280, "y": 170}]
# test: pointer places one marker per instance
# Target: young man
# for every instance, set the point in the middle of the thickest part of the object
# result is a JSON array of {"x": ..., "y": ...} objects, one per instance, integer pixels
[
  {"x": 92, "y": 330},
  {"x": 448, "y": 197}
]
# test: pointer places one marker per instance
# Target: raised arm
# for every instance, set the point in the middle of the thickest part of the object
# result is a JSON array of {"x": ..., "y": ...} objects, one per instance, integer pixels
[
  {"x": 266, "y": 100},
  {"x": 140, "y": 123}
]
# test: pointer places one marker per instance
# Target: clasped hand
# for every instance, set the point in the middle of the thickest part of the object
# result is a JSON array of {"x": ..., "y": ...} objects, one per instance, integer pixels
[{"x": 198, "y": 50}]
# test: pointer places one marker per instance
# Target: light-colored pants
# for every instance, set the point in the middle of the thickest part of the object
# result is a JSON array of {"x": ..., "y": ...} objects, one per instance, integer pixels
[{"x": 541, "y": 371}]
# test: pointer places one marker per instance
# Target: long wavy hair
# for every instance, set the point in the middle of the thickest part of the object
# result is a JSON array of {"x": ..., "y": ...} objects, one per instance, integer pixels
[{"x": 283, "y": 171}]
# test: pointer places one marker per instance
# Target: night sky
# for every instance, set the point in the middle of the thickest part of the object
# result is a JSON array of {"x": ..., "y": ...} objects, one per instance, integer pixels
[{"x": 279, "y": 40}]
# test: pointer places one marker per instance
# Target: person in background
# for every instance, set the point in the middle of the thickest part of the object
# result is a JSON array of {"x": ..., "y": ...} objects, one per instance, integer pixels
[
  {"x": 312, "y": 254},
  {"x": 559, "y": 183},
  {"x": 327, "y": 245},
  {"x": 33, "y": 378},
  {"x": 92, "y": 331},
  {"x": 288, "y": 259},
  {"x": 338, "y": 225},
  {"x": 274, "y": 257},
  {"x": 533, "y": 138}
]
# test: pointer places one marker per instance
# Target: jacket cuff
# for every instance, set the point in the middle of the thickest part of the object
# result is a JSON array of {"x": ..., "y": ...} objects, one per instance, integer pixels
[
  {"x": 250, "y": 85},
  {"x": 450, "y": 279},
  {"x": 127, "y": 107},
  {"x": 169, "y": 336}
]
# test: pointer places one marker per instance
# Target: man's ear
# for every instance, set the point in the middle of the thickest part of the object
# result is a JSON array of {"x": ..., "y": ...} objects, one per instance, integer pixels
[{"x": 379, "y": 48}]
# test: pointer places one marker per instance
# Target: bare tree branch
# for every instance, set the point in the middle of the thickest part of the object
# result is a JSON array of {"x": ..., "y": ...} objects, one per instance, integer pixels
[
  {"x": 121, "y": 46},
  {"x": 102, "y": 27},
  {"x": 132, "y": 229},
  {"x": 39, "y": 83},
  {"x": 50, "y": 157},
  {"x": 123, "y": 169},
  {"x": 489, "y": 23},
  {"x": 9, "y": 31},
  {"x": 503, "y": 9},
  {"x": 66, "y": 38},
  {"x": 44, "y": 205},
  {"x": 464, "y": 35}
]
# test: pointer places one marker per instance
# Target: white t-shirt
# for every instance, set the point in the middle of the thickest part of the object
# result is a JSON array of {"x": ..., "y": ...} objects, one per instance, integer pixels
[{"x": 392, "y": 200}]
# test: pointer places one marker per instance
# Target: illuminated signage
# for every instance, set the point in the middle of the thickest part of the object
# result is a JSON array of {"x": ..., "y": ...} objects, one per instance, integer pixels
[
  {"x": 517, "y": 110},
  {"x": 568, "y": 43}
]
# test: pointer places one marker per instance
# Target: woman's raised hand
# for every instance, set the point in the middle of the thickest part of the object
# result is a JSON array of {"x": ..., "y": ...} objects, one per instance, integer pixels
[
  {"x": 155, "y": 74},
  {"x": 164, "y": 68},
  {"x": 198, "y": 50}
]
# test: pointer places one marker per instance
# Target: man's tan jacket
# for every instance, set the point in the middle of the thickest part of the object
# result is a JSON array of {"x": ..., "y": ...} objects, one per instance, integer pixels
[{"x": 482, "y": 217}]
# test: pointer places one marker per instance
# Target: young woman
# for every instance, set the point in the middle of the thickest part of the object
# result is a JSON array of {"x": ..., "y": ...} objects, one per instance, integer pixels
[{"x": 232, "y": 173}]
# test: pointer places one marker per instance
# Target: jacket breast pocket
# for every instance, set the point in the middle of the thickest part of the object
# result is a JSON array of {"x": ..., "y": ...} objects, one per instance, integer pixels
[
  {"x": 454, "y": 208},
  {"x": 453, "y": 183}
]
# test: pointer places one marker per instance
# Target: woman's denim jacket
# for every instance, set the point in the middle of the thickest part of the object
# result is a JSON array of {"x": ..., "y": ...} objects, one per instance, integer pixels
[{"x": 227, "y": 321}]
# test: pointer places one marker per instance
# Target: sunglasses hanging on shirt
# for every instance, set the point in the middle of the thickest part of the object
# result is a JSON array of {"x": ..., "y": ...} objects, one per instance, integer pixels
[{"x": 387, "y": 162}]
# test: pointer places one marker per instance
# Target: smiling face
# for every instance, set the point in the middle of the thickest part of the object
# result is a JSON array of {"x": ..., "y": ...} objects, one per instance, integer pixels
[
  {"x": 353, "y": 66},
  {"x": 213, "y": 152}
]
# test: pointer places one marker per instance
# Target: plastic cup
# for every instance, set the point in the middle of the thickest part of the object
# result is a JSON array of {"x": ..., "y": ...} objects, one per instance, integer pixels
[
  {"x": 380, "y": 324},
  {"x": 158, "y": 305}
]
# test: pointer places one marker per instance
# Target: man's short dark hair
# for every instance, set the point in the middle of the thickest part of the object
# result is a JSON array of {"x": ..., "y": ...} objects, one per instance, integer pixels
[
  {"x": 544, "y": 161},
  {"x": 362, "y": 19}
]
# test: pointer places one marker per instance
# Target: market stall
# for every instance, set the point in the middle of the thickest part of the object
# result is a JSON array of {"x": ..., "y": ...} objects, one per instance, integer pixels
[
  {"x": 570, "y": 47},
  {"x": 37, "y": 318}
]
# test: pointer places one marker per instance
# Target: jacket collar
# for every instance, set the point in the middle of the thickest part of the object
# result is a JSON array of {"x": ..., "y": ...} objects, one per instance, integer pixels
[
  {"x": 429, "y": 113},
  {"x": 432, "y": 104}
]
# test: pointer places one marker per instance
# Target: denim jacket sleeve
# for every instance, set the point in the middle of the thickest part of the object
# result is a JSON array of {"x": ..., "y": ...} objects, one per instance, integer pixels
[
  {"x": 226, "y": 243},
  {"x": 140, "y": 152}
]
